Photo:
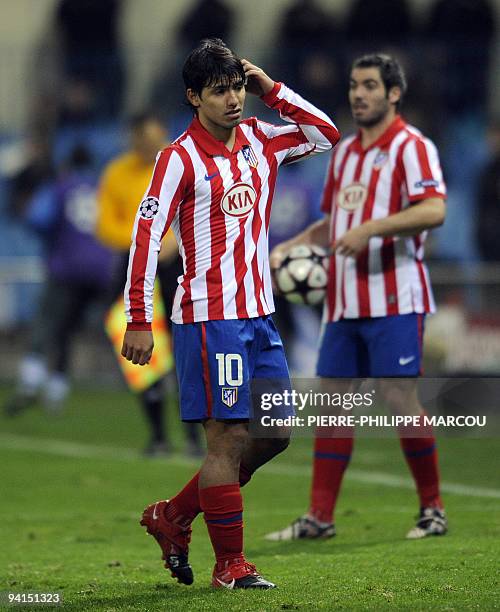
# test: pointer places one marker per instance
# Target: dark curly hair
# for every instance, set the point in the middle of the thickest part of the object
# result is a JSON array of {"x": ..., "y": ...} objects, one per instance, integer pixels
[
  {"x": 391, "y": 71},
  {"x": 211, "y": 62}
]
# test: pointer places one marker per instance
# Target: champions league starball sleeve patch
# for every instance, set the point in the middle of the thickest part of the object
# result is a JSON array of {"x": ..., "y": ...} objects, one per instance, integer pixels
[{"x": 149, "y": 207}]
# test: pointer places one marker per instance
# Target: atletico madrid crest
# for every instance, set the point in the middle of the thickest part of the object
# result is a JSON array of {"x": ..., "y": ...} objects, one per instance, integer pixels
[
  {"x": 250, "y": 156},
  {"x": 229, "y": 396},
  {"x": 380, "y": 159}
]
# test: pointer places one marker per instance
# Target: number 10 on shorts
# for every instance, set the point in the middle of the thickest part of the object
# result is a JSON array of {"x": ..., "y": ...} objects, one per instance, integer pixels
[{"x": 228, "y": 364}]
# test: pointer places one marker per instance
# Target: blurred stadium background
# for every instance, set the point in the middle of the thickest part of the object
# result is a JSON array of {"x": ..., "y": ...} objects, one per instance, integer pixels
[{"x": 71, "y": 73}]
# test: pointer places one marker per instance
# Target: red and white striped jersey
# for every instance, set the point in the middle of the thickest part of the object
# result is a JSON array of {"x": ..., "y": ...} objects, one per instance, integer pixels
[
  {"x": 389, "y": 277},
  {"x": 218, "y": 203}
]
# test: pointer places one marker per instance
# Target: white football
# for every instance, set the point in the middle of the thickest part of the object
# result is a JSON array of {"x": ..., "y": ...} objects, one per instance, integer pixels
[{"x": 303, "y": 275}]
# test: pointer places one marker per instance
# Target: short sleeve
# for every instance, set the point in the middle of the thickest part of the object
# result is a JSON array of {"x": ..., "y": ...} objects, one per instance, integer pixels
[{"x": 422, "y": 170}]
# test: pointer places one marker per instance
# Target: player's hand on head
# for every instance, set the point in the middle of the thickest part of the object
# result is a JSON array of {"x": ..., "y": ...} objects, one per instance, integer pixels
[
  {"x": 138, "y": 347},
  {"x": 258, "y": 83}
]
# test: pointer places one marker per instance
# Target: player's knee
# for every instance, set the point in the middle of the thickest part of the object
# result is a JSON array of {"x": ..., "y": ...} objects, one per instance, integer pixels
[
  {"x": 237, "y": 437},
  {"x": 391, "y": 396},
  {"x": 229, "y": 441},
  {"x": 398, "y": 395}
]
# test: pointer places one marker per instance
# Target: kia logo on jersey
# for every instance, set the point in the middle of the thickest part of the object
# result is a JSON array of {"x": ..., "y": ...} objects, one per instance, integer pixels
[
  {"x": 239, "y": 200},
  {"x": 352, "y": 197}
]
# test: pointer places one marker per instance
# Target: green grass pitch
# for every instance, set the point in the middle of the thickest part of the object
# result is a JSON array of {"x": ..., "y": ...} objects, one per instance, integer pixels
[{"x": 73, "y": 488}]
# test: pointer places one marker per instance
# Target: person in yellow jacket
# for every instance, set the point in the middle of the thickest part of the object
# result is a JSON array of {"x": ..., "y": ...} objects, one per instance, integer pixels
[{"x": 121, "y": 189}]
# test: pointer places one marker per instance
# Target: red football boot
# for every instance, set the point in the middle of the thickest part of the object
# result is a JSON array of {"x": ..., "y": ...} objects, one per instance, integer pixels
[
  {"x": 238, "y": 574},
  {"x": 173, "y": 540}
]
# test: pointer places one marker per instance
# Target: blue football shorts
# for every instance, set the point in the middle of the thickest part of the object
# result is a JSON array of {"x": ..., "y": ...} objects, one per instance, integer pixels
[
  {"x": 377, "y": 347},
  {"x": 217, "y": 363}
]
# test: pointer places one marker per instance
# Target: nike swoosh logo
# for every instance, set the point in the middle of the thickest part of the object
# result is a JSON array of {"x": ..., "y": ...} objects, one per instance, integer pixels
[
  {"x": 209, "y": 177},
  {"x": 155, "y": 516},
  {"x": 406, "y": 360},
  {"x": 227, "y": 585}
]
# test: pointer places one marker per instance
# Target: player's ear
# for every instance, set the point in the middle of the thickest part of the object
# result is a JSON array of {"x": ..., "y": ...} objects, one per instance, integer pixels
[
  {"x": 394, "y": 94},
  {"x": 193, "y": 98}
]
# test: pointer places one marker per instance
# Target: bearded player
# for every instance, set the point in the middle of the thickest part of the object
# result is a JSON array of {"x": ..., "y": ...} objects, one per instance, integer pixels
[
  {"x": 214, "y": 186},
  {"x": 384, "y": 190}
]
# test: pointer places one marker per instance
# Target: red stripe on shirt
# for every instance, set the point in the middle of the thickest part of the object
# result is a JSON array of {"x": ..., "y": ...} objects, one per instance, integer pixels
[
  {"x": 271, "y": 181},
  {"x": 332, "y": 271},
  {"x": 181, "y": 188},
  {"x": 289, "y": 140},
  {"x": 355, "y": 179},
  {"x": 300, "y": 115},
  {"x": 387, "y": 251},
  {"x": 363, "y": 261},
  {"x": 423, "y": 160},
  {"x": 331, "y": 134},
  {"x": 159, "y": 173},
  {"x": 186, "y": 228},
  {"x": 425, "y": 169},
  {"x": 215, "y": 290},
  {"x": 272, "y": 162},
  {"x": 138, "y": 272},
  {"x": 240, "y": 266},
  {"x": 256, "y": 228}
]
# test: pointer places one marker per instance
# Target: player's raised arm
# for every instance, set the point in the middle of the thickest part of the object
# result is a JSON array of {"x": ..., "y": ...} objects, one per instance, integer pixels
[{"x": 313, "y": 132}]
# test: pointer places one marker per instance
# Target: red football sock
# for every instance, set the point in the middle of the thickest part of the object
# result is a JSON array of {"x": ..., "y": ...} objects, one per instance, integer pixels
[
  {"x": 422, "y": 458},
  {"x": 185, "y": 506},
  {"x": 223, "y": 509},
  {"x": 331, "y": 457}
]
